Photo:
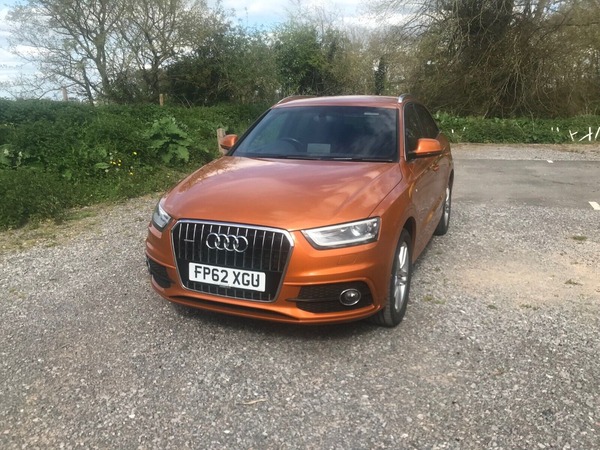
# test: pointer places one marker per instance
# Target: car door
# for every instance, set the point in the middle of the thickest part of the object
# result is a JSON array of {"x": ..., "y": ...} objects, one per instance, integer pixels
[
  {"x": 423, "y": 178},
  {"x": 439, "y": 164}
]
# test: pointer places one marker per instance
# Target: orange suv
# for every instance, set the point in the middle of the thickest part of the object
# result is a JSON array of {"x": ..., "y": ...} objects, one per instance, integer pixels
[{"x": 315, "y": 215}]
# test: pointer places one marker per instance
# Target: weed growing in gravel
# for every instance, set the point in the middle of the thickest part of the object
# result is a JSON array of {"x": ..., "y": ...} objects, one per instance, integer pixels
[
  {"x": 431, "y": 299},
  {"x": 579, "y": 238},
  {"x": 527, "y": 306}
]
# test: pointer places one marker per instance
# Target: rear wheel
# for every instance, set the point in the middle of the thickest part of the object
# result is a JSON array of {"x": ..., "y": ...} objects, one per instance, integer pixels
[
  {"x": 399, "y": 286},
  {"x": 442, "y": 227}
]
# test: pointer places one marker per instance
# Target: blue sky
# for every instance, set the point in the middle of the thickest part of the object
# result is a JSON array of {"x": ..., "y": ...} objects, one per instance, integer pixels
[
  {"x": 257, "y": 13},
  {"x": 8, "y": 62}
]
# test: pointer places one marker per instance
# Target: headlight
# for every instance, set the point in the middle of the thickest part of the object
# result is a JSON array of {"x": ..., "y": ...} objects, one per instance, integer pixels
[
  {"x": 160, "y": 218},
  {"x": 344, "y": 235}
]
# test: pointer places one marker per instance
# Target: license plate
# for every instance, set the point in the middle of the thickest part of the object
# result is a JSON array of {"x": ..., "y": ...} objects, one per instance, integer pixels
[{"x": 226, "y": 277}]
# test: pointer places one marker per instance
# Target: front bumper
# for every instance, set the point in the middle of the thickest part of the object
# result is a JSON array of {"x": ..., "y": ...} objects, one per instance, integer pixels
[{"x": 311, "y": 283}]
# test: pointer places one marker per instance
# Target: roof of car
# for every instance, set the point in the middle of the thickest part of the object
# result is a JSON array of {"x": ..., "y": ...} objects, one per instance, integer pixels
[{"x": 346, "y": 100}]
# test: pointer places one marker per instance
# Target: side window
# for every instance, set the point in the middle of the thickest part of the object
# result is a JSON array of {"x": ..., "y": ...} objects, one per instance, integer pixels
[
  {"x": 412, "y": 129},
  {"x": 428, "y": 125}
]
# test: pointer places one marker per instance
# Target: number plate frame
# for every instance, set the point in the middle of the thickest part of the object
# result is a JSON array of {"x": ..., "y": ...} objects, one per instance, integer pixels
[{"x": 227, "y": 277}]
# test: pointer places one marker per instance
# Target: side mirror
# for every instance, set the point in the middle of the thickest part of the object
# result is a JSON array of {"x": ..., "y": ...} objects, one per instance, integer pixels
[
  {"x": 427, "y": 147},
  {"x": 227, "y": 142}
]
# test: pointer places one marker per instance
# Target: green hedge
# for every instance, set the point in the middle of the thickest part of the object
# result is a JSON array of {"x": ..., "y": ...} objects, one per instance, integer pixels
[
  {"x": 81, "y": 141},
  {"x": 519, "y": 131},
  {"x": 32, "y": 195},
  {"x": 56, "y": 155}
]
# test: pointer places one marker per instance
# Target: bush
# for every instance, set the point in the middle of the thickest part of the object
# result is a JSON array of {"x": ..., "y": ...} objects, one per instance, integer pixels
[
  {"x": 169, "y": 143},
  {"x": 517, "y": 131},
  {"x": 29, "y": 194},
  {"x": 56, "y": 155}
]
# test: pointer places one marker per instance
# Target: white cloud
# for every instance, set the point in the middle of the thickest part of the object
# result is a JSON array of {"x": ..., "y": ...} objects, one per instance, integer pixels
[
  {"x": 257, "y": 13},
  {"x": 370, "y": 21},
  {"x": 27, "y": 50},
  {"x": 263, "y": 7},
  {"x": 268, "y": 13},
  {"x": 6, "y": 57},
  {"x": 12, "y": 67}
]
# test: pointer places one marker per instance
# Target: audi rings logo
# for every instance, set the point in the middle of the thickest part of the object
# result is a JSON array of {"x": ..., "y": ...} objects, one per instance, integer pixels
[{"x": 227, "y": 242}]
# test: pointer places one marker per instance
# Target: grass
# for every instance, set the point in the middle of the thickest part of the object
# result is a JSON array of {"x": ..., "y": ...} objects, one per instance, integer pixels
[
  {"x": 32, "y": 197},
  {"x": 528, "y": 306},
  {"x": 431, "y": 299},
  {"x": 50, "y": 233}
]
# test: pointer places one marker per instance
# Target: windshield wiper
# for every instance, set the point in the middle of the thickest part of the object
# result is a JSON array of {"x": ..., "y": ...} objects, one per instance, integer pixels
[
  {"x": 313, "y": 157},
  {"x": 349, "y": 158},
  {"x": 280, "y": 156}
]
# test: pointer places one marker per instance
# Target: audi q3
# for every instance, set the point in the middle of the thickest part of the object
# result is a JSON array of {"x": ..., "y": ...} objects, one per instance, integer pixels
[{"x": 315, "y": 215}]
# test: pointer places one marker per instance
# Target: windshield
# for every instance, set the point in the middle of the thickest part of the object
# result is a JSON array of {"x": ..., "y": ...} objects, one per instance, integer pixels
[{"x": 324, "y": 132}]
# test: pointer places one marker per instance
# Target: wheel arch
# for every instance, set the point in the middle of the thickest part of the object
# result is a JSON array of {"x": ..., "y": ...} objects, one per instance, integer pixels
[{"x": 410, "y": 225}]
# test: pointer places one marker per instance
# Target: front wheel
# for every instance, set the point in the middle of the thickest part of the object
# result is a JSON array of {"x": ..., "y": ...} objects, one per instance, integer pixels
[
  {"x": 399, "y": 286},
  {"x": 444, "y": 223}
]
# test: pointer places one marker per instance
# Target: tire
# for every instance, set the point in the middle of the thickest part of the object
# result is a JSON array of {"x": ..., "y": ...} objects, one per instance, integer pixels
[
  {"x": 399, "y": 285},
  {"x": 444, "y": 223}
]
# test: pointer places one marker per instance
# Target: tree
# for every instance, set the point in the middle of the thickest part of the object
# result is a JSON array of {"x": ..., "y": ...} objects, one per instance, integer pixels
[
  {"x": 70, "y": 40},
  {"x": 311, "y": 61},
  {"x": 381, "y": 76},
  {"x": 104, "y": 49},
  {"x": 491, "y": 57},
  {"x": 154, "y": 32},
  {"x": 229, "y": 64}
]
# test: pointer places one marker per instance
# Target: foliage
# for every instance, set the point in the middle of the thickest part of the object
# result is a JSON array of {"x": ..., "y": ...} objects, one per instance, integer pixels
[
  {"x": 96, "y": 48},
  {"x": 518, "y": 131},
  {"x": 58, "y": 155},
  {"x": 32, "y": 195},
  {"x": 484, "y": 58},
  {"x": 501, "y": 58},
  {"x": 168, "y": 141},
  {"x": 29, "y": 194},
  {"x": 230, "y": 65},
  {"x": 306, "y": 59}
]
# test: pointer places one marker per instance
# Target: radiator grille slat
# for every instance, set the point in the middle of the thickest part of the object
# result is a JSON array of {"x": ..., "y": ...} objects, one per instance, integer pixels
[{"x": 269, "y": 251}]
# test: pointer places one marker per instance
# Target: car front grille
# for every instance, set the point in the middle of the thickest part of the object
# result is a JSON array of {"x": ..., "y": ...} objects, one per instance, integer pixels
[{"x": 264, "y": 250}]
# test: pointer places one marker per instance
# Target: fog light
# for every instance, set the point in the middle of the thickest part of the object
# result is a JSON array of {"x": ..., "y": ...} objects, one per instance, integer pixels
[{"x": 350, "y": 297}]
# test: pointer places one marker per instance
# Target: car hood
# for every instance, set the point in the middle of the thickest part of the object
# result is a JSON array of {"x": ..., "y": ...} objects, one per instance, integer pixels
[{"x": 288, "y": 194}]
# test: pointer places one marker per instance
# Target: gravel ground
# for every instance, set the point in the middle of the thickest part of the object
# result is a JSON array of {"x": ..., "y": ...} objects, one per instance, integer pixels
[{"x": 499, "y": 348}]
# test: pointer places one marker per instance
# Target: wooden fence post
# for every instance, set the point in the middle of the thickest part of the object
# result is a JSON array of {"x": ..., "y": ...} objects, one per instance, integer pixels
[{"x": 220, "y": 136}]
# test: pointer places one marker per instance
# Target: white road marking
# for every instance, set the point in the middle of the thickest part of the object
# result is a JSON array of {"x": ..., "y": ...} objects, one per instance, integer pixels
[
  {"x": 595, "y": 205},
  {"x": 550, "y": 161}
]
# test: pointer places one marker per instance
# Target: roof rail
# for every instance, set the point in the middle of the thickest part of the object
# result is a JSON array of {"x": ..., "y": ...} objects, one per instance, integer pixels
[
  {"x": 294, "y": 97},
  {"x": 403, "y": 97}
]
